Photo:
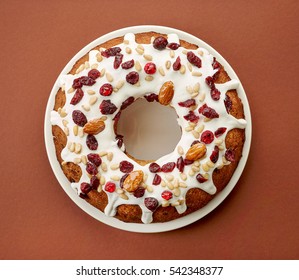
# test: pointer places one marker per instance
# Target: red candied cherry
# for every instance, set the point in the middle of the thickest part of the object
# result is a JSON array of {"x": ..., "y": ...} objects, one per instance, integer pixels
[
  {"x": 91, "y": 142},
  {"x": 188, "y": 103},
  {"x": 151, "y": 97},
  {"x": 139, "y": 192},
  {"x": 173, "y": 46},
  {"x": 191, "y": 117},
  {"x": 215, "y": 154},
  {"x": 110, "y": 187},
  {"x": 85, "y": 188},
  {"x": 207, "y": 137},
  {"x": 150, "y": 68},
  {"x": 107, "y": 107},
  {"x": 77, "y": 96},
  {"x": 180, "y": 164},
  {"x": 95, "y": 159},
  {"x": 117, "y": 60},
  {"x": 91, "y": 168},
  {"x": 160, "y": 43},
  {"x": 201, "y": 179},
  {"x": 94, "y": 74},
  {"x": 157, "y": 180},
  {"x": 219, "y": 131},
  {"x": 125, "y": 166},
  {"x": 193, "y": 59},
  {"x": 94, "y": 182},
  {"x": 132, "y": 78},
  {"x": 106, "y": 89},
  {"x": 230, "y": 155},
  {"x": 168, "y": 167},
  {"x": 154, "y": 167},
  {"x": 111, "y": 52},
  {"x": 166, "y": 195},
  {"x": 79, "y": 118},
  {"x": 151, "y": 203},
  {"x": 177, "y": 64},
  {"x": 128, "y": 64}
]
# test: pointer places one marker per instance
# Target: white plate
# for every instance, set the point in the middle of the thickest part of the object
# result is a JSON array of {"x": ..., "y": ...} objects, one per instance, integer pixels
[{"x": 155, "y": 227}]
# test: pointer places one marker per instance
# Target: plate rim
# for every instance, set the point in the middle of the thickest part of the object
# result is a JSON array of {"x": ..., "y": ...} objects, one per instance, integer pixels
[{"x": 139, "y": 227}]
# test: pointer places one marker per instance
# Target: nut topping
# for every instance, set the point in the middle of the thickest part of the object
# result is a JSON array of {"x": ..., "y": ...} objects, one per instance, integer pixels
[
  {"x": 94, "y": 126},
  {"x": 196, "y": 151},
  {"x": 166, "y": 93},
  {"x": 133, "y": 180}
]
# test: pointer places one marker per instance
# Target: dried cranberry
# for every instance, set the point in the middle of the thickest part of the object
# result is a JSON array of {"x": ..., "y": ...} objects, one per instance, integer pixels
[
  {"x": 85, "y": 188},
  {"x": 94, "y": 182},
  {"x": 77, "y": 83},
  {"x": 215, "y": 64},
  {"x": 110, "y": 187},
  {"x": 117, "y": 60},
  {"x": 191, "y": 117},
  {"x": 128, "y": 64},
  {"x": 202, "y": 107},
  {"x": 122, "y": 179},
  {"x": 107, "y": 107},
  {"x": 180, "y": 164},
  {"x": 132, "y": 78},
  {"x": 188, "y": 103},
  {"x": 228, "y": 103},
  {"x": 87, "y": 81},
  {"x": 127, "y": 102},
  {"x": 154, "y": 167},
  {"x": 157, "y": 180},
  {"x": 193, "y": 59},
  {"x": 150, "y": 68},
  {"x": 219, "y": 131},
  {"x": 207, "y": 137},
  {"x": 160, "y": 43},
  {"x": 209, "y": 112},
  {"x": 117, "y": 117},
  {"x": 210, "y": 82},
  {"x": 106, "y": 89},
  {"x": 151, "y": 203},
  {"x": 166, "y": 195},
  {"x": 111, "y": 52},
  {"x": 91, "y": 168},
  {"x": 194, "y": 142},
  {"x": 151, "y": 97},
  {"x": 188, "y": 161},
  {"x": 94, "y": 74},
  {"x": 173, "y": 46},
  {"x": 91, "y": 142},
  {"x": 125, "y": 166},
  {"x": 200, "y": 178},
  {"x": 215, "y": 94},
  {"x": 77, "y": 96},
  {"x": 177, "y": 64},
  {"x": 139, "y": 192},
  {"x": 79, "y": 118},
  {"x": 120, "y": 140},
  {"x": 95, "y": 159},
  {"x": 215, "y": 155},
  {"x": 168, "y": 167},
  {"x": 230, "y": 155}
]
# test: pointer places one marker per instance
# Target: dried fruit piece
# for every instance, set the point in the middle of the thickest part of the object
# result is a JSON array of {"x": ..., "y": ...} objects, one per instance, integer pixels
[
  {"x": 151, "y": 203},
  {"x": 125, "y": 166},
  {"x": 111, "y": 52},
  {"x": 207, "y": 137},
  {"x": 107, "y": 107},
  {"x": 188, "y": 161},
  {"x": 79, "y": 118},
  {"x": 160, "y": 43},
  {"x": 91, "y": 142},
  {"x": 94, "y": 182},
  {"x": 157, "y": 180},
  {"x": 166, "y": 93},
  {"x": 133, "y": 181},
  {"x": 188, "y": 103},
  {"x": 193, "y": 59},
  {"x": 77, "y": 96},
  {"x": 154, "y": 167},
  {"x": 173, "y": 46},
  {"x": 151, "y": 97},
  {"x": 177, "y": 64},
  {"x": 120, "y": 140},
  {"x": 85, "y": 188},
  {"x": 150, "y": 68},
  {"x": 196, "y": 151},
  {"x": 110, "y": 187},
  {"x": 219, "y": 131},
  {"x": 132, "y": 78},
  {"x": 210, "y": 82},
  {"x": 122, "y": 179},
  {"x": 95, "y": 159},
  {"x": 128, "y": 64},
  {"x": 139, "y": 192},
  {"x": 168, "y": 167},
  {"x": 215, "y": 64},
  {"x": 106, "y": 89},
  {"x": 215, "y": 94},
  {"x": 83, "y": 81},
  {"x": 200, "y": 178},
  {"x": 208, "y": 112},
  {"x": 230, "y": 155},
  {"x": 94, "y": 126},
  {"x": 127, "y": 102},
  {"x": 94, "y": 74},
  {"x": 215, "y": 154},
  {"x": 228, "y": 103},
  {"x": 180, "y": 164},
  {"x": 166, "y": 195},
  {"x": 191, "y": 117},
  {"x": 91, "y": 168},
  {"x": 117, "y": 60}
]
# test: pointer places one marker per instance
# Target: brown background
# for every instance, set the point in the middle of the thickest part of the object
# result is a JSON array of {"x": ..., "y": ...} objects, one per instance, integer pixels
[{"x": 259, "y": 220}]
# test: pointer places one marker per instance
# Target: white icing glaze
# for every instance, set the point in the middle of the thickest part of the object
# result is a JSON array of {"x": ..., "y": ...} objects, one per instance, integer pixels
[{"x": 106, "y": 138}]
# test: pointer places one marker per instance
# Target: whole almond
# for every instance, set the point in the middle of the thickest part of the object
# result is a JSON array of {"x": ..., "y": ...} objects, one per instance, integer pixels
[
  {"x": 196, "y": 151},
  {"x": 133, "y": 180},
  {"x": 166, "y": 93},
  {"x": 94, "y": 126}
]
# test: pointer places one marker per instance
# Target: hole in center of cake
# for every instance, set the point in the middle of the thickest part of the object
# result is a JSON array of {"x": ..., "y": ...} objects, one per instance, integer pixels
[{"x": 150, "y": 130}]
